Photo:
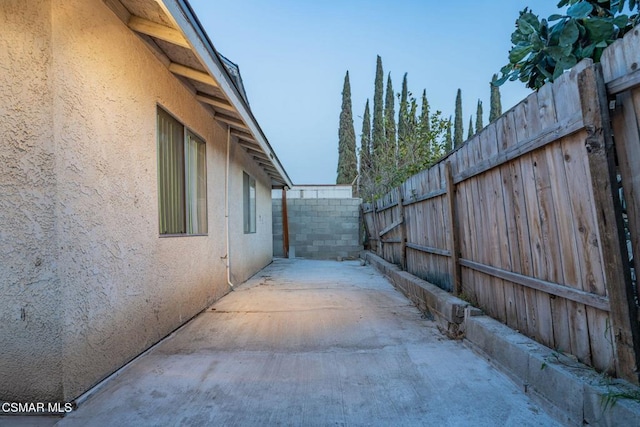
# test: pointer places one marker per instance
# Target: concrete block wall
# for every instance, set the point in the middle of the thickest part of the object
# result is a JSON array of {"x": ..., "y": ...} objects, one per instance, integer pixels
[
  {"x": 276, "y": 219},
  {"x": 319, "y": 228}
]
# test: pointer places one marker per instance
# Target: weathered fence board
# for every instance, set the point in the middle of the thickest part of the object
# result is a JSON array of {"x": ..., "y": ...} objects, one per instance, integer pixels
[
  {"x": 514, "y": 205},
  {"x": 620, "y": 69},
  {"x": 526, "y": 125},
  {"x": 521, "y": 220},
  {"x": 572, "y": 225},
  {"x": 599, "y": 146}
]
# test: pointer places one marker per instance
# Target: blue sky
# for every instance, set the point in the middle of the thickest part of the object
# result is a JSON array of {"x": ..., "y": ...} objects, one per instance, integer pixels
[{"x": 293, "y": 55}]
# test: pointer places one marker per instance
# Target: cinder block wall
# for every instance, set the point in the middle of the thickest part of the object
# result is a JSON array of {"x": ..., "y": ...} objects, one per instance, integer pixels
[
  {"x": 276, "y": 219},
  {"x": 319, "y": 228}
]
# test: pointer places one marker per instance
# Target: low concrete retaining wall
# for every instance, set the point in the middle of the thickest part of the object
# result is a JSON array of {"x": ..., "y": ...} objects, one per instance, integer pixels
[
  {"x": 447, "y": 310},
  {"x": 573, "y": 393}
]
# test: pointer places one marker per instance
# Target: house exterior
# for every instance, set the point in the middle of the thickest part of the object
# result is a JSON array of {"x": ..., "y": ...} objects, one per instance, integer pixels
[{"x": 135, "y": 186}]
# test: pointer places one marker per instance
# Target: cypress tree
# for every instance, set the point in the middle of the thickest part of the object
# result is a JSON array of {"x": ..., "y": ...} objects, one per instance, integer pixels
[
  {"x": 424, "y": 126},
  {"x": 470, "y": 133},
  {"x": 377, "y": 138},
  {"x": 479, "y": 125},
  {"x": 495, "y": 104},
  {"x": 347, "y": 162},
  {"x": 457, "y": 129},
  {"x": 424, "y": 114},
  {"x": 365, "y": 154},
  {"x": 389, "y": 118},
  {"x": 402, "y": 114},
  {"x": 448, "y": 142}
]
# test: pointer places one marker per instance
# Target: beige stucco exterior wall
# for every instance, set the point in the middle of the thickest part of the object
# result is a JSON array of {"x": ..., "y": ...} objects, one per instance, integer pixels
[
  {"x": 249, "y": 251},
  {"x": 30, "y": 290},
  {"x": 119, "y": 286}
]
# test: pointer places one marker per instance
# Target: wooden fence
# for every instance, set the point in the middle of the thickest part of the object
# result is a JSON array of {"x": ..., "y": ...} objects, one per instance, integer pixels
[{"x": 525, "y": 219}]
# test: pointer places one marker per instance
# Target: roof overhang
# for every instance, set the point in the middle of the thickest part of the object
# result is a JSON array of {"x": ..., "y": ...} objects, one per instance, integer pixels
[{"x": 175, "y": 35}]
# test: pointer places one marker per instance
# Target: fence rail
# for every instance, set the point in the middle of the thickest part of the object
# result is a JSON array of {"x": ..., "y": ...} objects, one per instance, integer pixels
[{"x": 525, "y": 219}]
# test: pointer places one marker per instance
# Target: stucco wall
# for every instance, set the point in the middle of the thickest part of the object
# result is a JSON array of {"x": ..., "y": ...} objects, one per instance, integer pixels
[
  {"x": 249, "y": 252},
  {"x": 30, "y": 292},
  {"x": 114, "y": 286}
]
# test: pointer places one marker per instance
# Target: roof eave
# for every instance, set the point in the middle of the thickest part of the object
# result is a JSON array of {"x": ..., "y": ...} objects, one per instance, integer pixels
[{"x": 190, "y": 26}]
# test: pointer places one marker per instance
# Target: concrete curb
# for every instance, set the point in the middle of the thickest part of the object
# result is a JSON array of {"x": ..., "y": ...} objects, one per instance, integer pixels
[
  {"x": 571, "y": 392},
  {"x": 447, "y": 310}
]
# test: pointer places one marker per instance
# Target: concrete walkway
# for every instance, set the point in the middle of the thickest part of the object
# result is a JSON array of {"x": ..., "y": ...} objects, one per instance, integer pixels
[{"x": 310, "y": 343}]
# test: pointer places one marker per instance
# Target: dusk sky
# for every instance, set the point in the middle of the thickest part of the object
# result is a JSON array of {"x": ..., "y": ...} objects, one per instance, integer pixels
[{"x": 293, "y": 55}]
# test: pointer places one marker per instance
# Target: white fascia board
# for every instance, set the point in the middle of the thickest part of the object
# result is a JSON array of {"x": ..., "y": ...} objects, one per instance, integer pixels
[{"x": 187, "y": 22}]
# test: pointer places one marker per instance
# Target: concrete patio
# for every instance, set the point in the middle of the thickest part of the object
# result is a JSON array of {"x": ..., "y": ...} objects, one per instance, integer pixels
[{"x": 310, "y": 343}]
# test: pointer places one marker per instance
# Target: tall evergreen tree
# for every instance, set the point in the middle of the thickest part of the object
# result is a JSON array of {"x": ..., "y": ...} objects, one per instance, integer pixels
[
  {"x": 347, "y": 161},
  {"x": 390, "y": 118},
  {"x": 424, "y": 114},
  {"x": 402, "y": 114},
  {"x": 479, "y": 124},
  {"x": 377, "y": 137},
  {"x": 365, "y": 155},
  {"x": 457, "y": 129},
  {"x": 470, "y": 132},
  {"x": 365, "y": 140},
  {"x": 420, "y": 139},
  {"x": 448, "y": 141},
  {"x": 425, "y": 121},
  {"x": 496, "y": 106}
]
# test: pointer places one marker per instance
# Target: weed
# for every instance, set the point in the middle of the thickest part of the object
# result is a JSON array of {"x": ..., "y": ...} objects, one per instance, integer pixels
[
  {"x": 471, "y": 299},
  {"x": 609, "y": 399}
]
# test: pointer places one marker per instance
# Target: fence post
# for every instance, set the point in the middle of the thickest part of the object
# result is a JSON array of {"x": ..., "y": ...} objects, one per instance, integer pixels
[
  {"x": 376, "y": 229},
  {"x": 403, "y": 229},
  {"x": 454, "y": 238},
  {"x": 599, "y": 146},
  {"x": 285, "y": 225}
]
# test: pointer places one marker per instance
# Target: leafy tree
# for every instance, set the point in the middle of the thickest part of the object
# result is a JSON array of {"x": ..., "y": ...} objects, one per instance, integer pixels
[
  {"x": 365, "y": 155},
  {"x": 377, "y": 139},
  {"x": 457, "y": 129},
  {"x": 470, "y": 132},
  {"x": 542, "y": 51},
  {"x": 423, "y": 145},
  {"x": 390, "y": 119},
  {"x": 496, "y": 105},
  {"x": 479, "y": 124}
]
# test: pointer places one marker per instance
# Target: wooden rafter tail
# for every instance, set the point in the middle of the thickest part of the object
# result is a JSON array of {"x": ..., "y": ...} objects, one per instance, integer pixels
[{"x": 157, "y": 31}]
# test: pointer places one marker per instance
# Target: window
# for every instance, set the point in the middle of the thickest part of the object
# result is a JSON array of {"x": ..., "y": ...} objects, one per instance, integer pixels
[
  {"x": 249, "y": 197},
  {"x": 182, "y": 178}
]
